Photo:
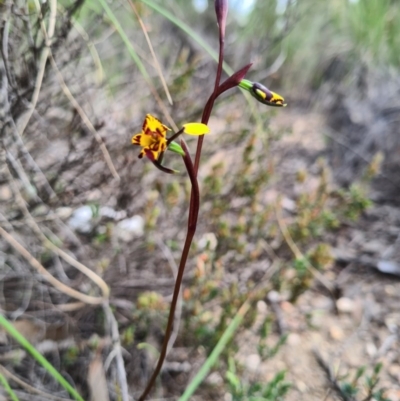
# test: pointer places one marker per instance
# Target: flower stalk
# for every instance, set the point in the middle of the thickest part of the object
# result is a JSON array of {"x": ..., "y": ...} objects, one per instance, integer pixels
[{"x": 155, "y": 144}]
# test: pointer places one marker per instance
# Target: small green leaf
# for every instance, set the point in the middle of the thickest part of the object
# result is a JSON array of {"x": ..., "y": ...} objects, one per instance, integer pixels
[
  {"x": 233, "y": 380},
  {"x": 378, "y": 368},
  {"x": 175, "y": 147}
]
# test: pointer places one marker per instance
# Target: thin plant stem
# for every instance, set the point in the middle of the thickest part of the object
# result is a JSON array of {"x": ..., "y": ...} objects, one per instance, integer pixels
[
  {"x": 192, "y": 219},
  {"x": 210, "y": 104},
  {"x": 206, "y": 117},
  {"x": 173, "y": 137},
  {"x": 192, "y": 223}
]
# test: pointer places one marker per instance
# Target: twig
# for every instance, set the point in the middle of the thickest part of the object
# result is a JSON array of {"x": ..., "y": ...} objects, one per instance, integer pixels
[
  {"x": 30, "y": 189},
  {"x": 19, "y": 141},
  {"x": 26, "y": 299},
  {"x": 92, "y": 48},
  {"x": 7, "y": 79},
  {"x": 43, "y": 60},
  {"x": 85, "y": 119},
  {"x": 16, "y": 132},
  {"x": 4, "y": 47},
  {"x": 69, "y": 259},
  {"x": 332, "y": 379},
  {"x": 70, "y": 307},
  {"x": 113, "y": 327},
  {"x": 48, "y": 35},
  {"x": 28, "y": 387},
  {"x": 52, "y": 280},
  {"x": 139, "y": 63},
  {"x": 157, "y": 64}
]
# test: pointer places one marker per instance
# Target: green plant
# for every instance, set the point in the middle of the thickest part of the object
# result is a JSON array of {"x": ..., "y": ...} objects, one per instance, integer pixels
[
  {"x": 9, "y": 390},
  {"x": 368, "y": 383},
  {"x": 354, "y": 201},
  {"x": 264, "y": 350},
  {"x": 39, "y": 357},
  {"x": 274, "y": 390},
  {"x": 216, "y": 352}
]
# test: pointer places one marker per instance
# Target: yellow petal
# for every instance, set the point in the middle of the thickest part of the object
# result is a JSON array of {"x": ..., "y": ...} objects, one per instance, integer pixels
[
  {"x": 136, "y": 138},
  {"x": 153, "y": 124},
  {"x": 195, "y": 129},
  {"x": 277, "y": 99}
]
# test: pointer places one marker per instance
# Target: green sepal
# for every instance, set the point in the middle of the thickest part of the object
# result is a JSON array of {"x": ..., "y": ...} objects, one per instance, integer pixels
[
  {"x": 175, "y": 147},
  {"x": 246, "y": 84}
]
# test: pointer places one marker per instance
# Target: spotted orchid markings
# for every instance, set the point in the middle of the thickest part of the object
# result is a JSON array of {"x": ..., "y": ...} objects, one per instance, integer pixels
[
  {"x": 272, "y": 98},
  {"x": 152, "y": 138}
]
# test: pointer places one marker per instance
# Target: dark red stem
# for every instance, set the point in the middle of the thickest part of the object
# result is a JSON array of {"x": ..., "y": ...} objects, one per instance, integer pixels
[
  {"x": 210, "y": 104},
  {"x": 192, "y": 223},
  {"x": 192, "y": 219}
]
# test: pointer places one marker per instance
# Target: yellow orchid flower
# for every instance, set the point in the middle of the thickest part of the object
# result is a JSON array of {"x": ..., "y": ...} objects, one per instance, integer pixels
[{"x": 154, "y": 141}]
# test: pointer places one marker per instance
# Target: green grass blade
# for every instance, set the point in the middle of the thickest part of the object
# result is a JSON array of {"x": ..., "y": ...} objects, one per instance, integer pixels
[
  {"x": 39, "y": 357},
  {"x": 7, "y": 387},
  {"x": 125, "y": 39},
  {"x": 186, "y": 28},
  {"x": 212, "y": 359}
]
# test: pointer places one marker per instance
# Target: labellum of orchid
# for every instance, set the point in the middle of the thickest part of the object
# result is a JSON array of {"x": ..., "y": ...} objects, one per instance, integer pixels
[{"x": 154, "y": 142}]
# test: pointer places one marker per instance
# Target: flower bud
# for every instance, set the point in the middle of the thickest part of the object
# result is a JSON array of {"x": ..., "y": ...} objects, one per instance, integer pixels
[
  {"x": 221, "y": 9},
  {"x": 262, "y": 93}
]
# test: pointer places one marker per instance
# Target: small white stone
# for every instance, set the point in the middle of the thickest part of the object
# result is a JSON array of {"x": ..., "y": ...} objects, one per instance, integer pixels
[
  {"x": 301, "y": 386},
  {"x": 274, "y": 296},
  {"x": 388, "y": 266},
  {"x": 215, "y": 378},
  {"x": 337, "y": 333},
  {"x": 253, "y": 362},
  {"x": 5, "y": 193},
  {"x": 262, "y": 307},
  {"x": 209, "y": 241},
  {"x": 130, "y": 228},
  {"x": 64, "y": 212},
  {"x": 294, "y": 339},
  {"x": 345, "y": 305},
  {"x": 81, "y": 219},
  {"x": 288, "y": 204},
  {"x": 371, "y": 349},
  {"x": 106, "y": 211},
  {"x": 228, "y": 397}
]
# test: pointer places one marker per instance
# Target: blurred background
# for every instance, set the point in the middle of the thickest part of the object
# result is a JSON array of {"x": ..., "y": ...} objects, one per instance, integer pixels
[{"x": 299, "y": 222}]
